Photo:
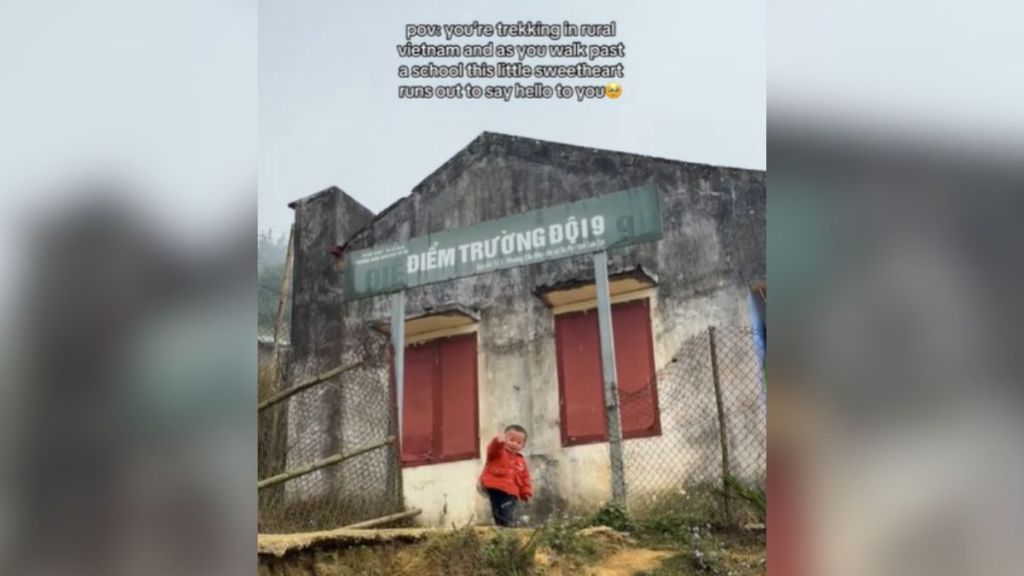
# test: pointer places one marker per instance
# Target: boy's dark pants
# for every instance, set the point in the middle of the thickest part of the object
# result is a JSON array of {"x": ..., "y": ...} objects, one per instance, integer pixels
[{"x": 503, "y": 507}]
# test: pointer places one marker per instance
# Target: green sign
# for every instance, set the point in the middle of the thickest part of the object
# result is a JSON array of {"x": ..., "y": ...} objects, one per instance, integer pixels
[{"x": 591, "y": 225}]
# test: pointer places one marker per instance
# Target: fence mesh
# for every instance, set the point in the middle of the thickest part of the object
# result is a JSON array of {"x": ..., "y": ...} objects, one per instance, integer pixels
[
  {"x": 340, "y": 415},
  {"x": 712, "y": 390},
  {"x": 709, "y": 400}
]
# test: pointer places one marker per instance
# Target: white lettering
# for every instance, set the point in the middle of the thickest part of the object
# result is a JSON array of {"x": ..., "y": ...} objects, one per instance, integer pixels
[
  {"x": 446, "y": 258},
  {"x": 476, "y": 250}
]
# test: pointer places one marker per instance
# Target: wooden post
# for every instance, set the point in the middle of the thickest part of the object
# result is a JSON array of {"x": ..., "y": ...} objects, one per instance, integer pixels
[{"x": 722, "y": 430}]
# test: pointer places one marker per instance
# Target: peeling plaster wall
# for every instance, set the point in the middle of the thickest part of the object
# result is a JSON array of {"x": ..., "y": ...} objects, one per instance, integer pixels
[{"x": 714, "y": 246}]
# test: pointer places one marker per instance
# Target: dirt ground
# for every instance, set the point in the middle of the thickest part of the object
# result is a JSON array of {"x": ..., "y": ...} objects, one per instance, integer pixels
[
  {"x": 598, "y": 551},
  {"x": 629, "y": 562}
]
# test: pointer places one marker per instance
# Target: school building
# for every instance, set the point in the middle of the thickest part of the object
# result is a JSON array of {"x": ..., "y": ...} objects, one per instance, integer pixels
[{"x": 520, "y": 345}]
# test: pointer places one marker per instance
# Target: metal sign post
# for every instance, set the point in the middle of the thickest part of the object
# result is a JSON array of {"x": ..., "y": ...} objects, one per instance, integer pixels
[
  {"x": 610, "y": 377},
  {"x": 398, "y": 349}
]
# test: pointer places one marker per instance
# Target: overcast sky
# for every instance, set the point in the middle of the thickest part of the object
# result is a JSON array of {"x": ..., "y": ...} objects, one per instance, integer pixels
[
  {"x": 158, "y": 95},
  {"x": 694, "y": 90}
]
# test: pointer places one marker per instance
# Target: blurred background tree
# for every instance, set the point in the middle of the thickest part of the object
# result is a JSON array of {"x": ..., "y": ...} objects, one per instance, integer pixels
[{"x": 271, "y": 254}]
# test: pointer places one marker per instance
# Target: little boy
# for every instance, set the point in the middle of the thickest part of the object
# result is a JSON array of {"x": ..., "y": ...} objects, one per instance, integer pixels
[{"x": 506, "y": 477}]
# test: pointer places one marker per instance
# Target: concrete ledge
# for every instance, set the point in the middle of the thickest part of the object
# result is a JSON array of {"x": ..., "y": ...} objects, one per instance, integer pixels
[
  {"x": 580, "y": 290},
  {"x": 440, "y": 318},
  {"x": 280, "y": 545}
]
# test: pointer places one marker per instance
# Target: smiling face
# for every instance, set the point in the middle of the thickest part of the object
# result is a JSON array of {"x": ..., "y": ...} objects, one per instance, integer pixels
[
  {"x": 514, "y": 441},
  {"x": 613, "y": 90}
]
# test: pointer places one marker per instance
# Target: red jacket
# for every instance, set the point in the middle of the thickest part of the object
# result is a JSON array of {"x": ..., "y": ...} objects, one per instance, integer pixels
[{"x": 506, "y": 471}]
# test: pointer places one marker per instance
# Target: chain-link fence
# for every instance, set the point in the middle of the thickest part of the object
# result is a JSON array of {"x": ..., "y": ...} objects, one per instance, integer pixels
[
  {"x": 708, "y": 402},
  {"x": 330, "y": 445},
  {"x": 713, "y": 419}
]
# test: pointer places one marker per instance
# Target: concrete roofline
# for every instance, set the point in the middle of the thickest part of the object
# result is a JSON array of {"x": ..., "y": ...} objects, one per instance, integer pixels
[
  {"x": 477, "y": 146},
  {"x": 317, "y": 195},
  {"x": 484, "y": 144}
]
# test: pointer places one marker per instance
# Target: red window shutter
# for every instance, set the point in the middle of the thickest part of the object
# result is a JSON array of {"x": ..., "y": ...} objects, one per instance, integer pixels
[
  {"x": 440, "y": 415},
  {"x": 634, "y": 360},
  {"x": 418, "y": 399},
  {"x": 579, "y": 378},
  {"x": 459, "y": 415}
]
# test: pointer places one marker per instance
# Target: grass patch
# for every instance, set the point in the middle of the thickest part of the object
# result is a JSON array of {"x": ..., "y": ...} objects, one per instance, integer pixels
[
  {"x": 665, "y": 529},
  {"x": 613, "y": 517},
  {"x": 716, "y": 552},
  {"x": 702, "y": 545},
  {"x": 469, "y": 551},
  {"x": 754, "y": 497},
  {"x": 359, "y": 561},
  {"x": 507, "y": 555},
  {"x": 698, "y": 504},
  {"x": 558, "y": 547},
  {"x": 561, "y": 538},
  {"x": 457, "y": 553},
  {"x": 703, "y": 504}
]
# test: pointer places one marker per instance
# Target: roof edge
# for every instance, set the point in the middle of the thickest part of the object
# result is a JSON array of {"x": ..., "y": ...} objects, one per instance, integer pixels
[
  {"x": 469, "y": 153},
  {"x": 315, "y": 196}
]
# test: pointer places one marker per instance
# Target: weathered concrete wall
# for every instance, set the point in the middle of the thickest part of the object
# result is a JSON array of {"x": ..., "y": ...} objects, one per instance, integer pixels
[
  {"x": 714, "y": 221},
  {"x": 322, "y": 221},
  {"x": 453, "y": 499}
]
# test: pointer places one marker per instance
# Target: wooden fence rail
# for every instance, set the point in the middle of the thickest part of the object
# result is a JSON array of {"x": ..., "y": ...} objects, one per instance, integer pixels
[
  {"x": 282, "y": 395},
  {"x": 329, "y": 461}
]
